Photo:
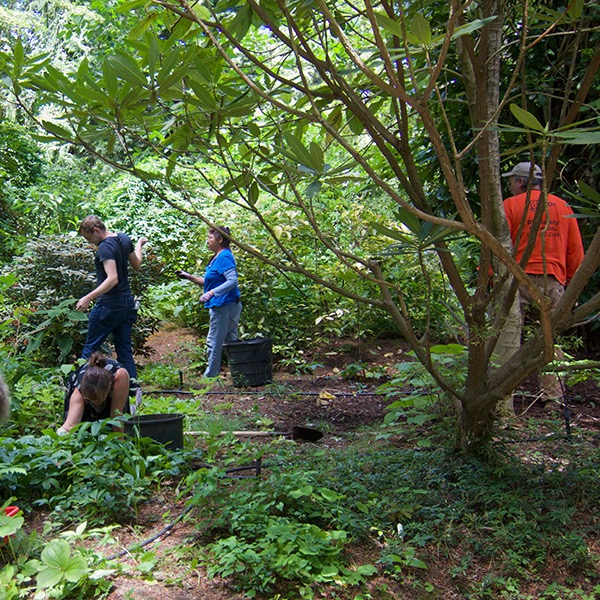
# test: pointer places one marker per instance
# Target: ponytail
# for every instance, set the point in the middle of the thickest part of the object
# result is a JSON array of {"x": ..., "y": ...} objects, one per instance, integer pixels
[
  {"x": 97, "y": 359},
  {"x": 97, "y": 382},
  {"x": 224, "y": 233},
  {"x": 90, "y": 223}
]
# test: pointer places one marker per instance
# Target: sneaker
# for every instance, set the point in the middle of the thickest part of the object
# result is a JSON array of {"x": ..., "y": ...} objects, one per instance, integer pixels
[{"x": 138, "y": 401}]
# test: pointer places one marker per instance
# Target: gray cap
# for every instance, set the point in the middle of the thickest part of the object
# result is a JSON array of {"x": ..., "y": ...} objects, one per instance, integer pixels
[{"x": 523, "y": 169}]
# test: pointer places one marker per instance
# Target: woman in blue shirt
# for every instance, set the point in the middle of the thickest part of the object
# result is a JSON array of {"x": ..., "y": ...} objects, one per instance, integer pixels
[{"x": 221, "y": 296}]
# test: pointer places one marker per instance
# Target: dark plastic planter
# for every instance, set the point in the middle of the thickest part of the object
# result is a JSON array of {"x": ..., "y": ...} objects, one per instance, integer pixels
[
  {"x": 250, "y": 361},
  {"x": 165, "y": 429}
]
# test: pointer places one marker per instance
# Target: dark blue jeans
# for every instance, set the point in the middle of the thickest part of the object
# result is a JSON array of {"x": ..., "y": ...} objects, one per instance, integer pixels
[{"x": 116, "y": 316}]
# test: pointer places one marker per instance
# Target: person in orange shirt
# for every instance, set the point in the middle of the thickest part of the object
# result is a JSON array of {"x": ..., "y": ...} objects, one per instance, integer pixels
[{"x": 557, "y": 253}]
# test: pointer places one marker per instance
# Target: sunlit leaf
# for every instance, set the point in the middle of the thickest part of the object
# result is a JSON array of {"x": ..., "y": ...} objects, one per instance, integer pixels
[
  {"x": 330, "y": 495},
  {"x": 241, "y": 22},
  {"x": 169, "y": 60},
  {"x": 10, "y": 525},
  {"x": 299, "y": 151},
  {"x": 317, "y": 156},
  {"x": 146, "y": 174},
  {"x": 204, "y": 95},
  {"x": 201, "y": 11},
  {"x": 526, "y": 118},
  {"x": 254, "y": 129},
  {"x": 127, "y": 69},
  {"x": 393, "y": 234},
  {"x": 153, "y": 55},
  {"x": 305, "y": 490},
  {"x": 59, "y": 565},
  {"x": 110, "y": 79},
  {"x": 389, "y": 25},
  {"x": 253, "y": 193},
  {"x": 82, "y": 70},
  {"x": 356, "y": 126},
  {"x": 420, "y": 29},
  {"x": 173, "y": 78},
  {"x": 18, "y": 55},
  {"x": 125, "y": 7},
  {"x": 57, "y": 130}
]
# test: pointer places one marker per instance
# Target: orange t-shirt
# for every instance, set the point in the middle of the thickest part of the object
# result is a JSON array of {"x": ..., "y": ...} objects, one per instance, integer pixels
[{"x": 563, "y": 248}]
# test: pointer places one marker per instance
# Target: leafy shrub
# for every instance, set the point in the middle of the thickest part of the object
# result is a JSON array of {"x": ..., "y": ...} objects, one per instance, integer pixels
[
  {"x": 20, "y": 167},
  {"x": 420, "y": 400},
  {"x": 177, "y": 302},
  {"x": 279, "y": 530},
  {"x": 161, "y": 376},
  {"x": 55, "y": 569},
  {"x": 92, "y": 473},
  {"x": 37, "y": 399}
]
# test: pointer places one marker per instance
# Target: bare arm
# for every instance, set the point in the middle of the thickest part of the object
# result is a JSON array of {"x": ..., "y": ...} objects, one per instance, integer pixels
[
  {"x": 76, "y": 406},
  {"x": 110, "y": 267},
  {"x": 193, "y": 278},
  {"x": 119, "y": 395},
  {"x": 136, "y": 257}
]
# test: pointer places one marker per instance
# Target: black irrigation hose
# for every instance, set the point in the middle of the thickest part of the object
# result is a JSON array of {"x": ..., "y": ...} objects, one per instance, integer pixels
[
  {"x": 257, "y": 467},
  {"x": 262, "y": 393},
  {"x": 154, "y": 537}
]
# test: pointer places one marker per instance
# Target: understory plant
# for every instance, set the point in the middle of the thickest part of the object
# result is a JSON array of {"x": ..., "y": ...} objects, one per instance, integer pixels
[
  {"x": 413, "y": 392},
  {"x": 93, "y": 473},
  {"x": 278, "y": 531},
  {"x": 288, "y": 530},
  {"x": 56, "y": 568},
  {"x": 513, "y": 516}
]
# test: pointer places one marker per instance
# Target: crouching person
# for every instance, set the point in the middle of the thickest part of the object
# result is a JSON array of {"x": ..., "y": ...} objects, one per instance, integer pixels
[{"x": 97, "y": 390}]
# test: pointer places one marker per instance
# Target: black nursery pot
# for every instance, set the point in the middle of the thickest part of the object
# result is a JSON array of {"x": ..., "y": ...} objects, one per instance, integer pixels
[
  {"x": 165, "y": 429},
  {"x": 250, "y": 361}
]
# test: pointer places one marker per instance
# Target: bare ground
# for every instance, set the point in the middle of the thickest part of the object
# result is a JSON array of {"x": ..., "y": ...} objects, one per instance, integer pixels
[{"x": 339, "y": 407}]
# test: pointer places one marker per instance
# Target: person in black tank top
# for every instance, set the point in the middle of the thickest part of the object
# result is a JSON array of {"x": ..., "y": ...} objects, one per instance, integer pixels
[{"x": 97, "y": 390}]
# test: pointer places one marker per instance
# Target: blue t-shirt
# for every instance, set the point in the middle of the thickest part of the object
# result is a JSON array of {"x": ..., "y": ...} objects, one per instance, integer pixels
[
  {"x": 215, "y": 276},
  {"x": 117, "y": 248}
]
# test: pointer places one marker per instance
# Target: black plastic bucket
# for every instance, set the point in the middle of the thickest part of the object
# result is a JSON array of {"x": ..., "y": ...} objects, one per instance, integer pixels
[
  {"x": 165, "y": 429},
  {"x": 250, "y": 361}
]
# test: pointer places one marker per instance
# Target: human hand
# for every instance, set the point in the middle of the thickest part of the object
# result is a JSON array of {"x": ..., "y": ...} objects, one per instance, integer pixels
[
  {"x": 82, "y": 304},
  {"x": 61, "y": 431},
  {"x": 142, "y": 241},
  {"x": 206, "y": 297},
  {"x": 183, "y": 275}
]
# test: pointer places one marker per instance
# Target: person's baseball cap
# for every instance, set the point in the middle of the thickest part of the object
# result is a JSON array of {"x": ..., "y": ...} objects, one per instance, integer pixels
[{"x": 523, "y": 169}]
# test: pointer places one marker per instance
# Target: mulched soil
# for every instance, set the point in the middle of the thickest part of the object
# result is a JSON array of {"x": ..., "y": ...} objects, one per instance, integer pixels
[
  {"x": 341, "y": 404},
  {"x": 326, "y": 401}
]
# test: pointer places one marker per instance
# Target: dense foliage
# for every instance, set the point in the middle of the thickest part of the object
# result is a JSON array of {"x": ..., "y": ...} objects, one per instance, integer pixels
[
  {"x": 355, "y": 150},
  {"x": 294, "y": 529},
  {"x": 350, "y": 145},
  {"x": 48, "y": 279}
]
